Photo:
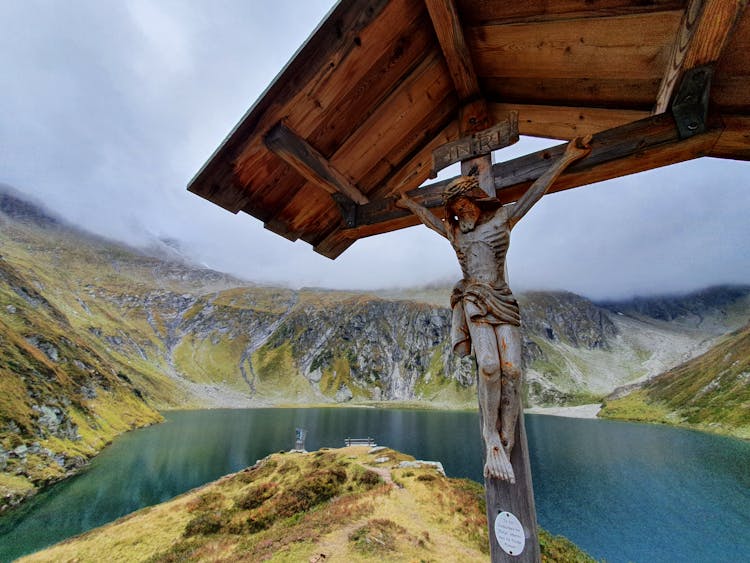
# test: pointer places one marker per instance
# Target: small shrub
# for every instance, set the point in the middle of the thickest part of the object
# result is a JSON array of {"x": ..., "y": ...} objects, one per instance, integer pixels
[
  {"x": 207, "y": 501},
  {"x": 323, "y": 459},
  {"x": 205, "y": 523},
  {"x": 175, "y": 554},
  {"x": 256, "y": 496},
  {"x": 315, "y": 489},
  {"x": 377, "y": 536},
  {"x": 367, "y": 478},
  {"x": 426, "y": 477},
  {"x": 262, "y": 469},
  {"x": 259, "y": 521},
  {"x": 288, "y": 467}
]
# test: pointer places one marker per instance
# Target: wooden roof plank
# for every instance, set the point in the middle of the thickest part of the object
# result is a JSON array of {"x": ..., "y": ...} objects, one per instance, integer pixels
[
  {"x": 730, "y": 94},
  {"x": 412, "y": 142},
  {"x": 309, "y": 210},
  {"x": 310, "y": 164},
  {"x": 733, "y": 60},
  {"x": 561, "y": 122},
  {"x": 482, "y": 12},
  {"x": 624, "y": 47},
  {"x": 609, "y": 93},
  {"x": 705, "y": 28},
  {"x": 734, "y": 141},
  {"x": 368, "y": 91},
  {"x": 412, "y": 102}
]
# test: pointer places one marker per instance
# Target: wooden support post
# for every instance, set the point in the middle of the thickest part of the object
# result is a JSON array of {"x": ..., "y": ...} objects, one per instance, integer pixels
[
  {"x": 511, "y": 503},
  {"x": 517, "y": 499}
]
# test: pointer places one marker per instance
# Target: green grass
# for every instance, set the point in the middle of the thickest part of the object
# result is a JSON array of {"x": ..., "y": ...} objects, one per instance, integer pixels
[
  {"x": 710, "y": 392},
  {"x": 204, "y": 361}
]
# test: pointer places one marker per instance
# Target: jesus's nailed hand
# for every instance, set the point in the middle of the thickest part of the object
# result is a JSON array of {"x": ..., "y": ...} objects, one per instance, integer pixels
[
  {"x": 403, "y": 201},
  {"x": 578, "y": 148}
]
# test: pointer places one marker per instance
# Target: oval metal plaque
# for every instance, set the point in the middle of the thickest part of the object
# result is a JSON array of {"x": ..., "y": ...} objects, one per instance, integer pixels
[{"x": 509, "y": 533}]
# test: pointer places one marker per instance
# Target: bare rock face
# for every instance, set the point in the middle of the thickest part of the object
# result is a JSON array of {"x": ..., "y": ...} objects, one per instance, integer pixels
[
  {"x": 54, "y": 421},
  {"x": 568, "y": 318},
  {"x": 383, "y": 348}
]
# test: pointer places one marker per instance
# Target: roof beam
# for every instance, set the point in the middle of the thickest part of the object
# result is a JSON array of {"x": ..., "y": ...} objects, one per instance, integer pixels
[
  {"x": 450, "y": 35},
  {"x": 474, "y": 115},
  {"x": 642, "y": 145},
  {"x": 313, "y": 166},
  {"x": 704, "y": 31}
]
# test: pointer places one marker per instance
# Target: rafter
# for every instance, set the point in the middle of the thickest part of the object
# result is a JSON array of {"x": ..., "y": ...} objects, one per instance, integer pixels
[
  {"x": 313, "y": 166},
  {"x": 704, "y": 30},
  {"x": 447, "y": 26},
  {"x": 474, "y": 115}
]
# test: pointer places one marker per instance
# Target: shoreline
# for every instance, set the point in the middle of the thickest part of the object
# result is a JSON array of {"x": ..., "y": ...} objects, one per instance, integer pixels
[{"x": 590, "y": 411}]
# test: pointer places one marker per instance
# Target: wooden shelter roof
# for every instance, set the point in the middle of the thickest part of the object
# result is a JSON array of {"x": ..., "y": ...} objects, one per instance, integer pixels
[{"x": 354, "y": 117}]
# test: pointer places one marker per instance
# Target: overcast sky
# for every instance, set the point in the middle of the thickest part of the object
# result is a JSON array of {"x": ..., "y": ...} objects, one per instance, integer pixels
[{"x": 109, "y": 107}]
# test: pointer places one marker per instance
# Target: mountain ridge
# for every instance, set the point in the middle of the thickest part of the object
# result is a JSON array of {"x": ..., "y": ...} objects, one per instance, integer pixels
[{"x": 103, "y": 321}]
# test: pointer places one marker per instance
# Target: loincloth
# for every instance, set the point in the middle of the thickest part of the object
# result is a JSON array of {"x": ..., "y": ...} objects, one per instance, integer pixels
[{"x": 496, "y": 306}]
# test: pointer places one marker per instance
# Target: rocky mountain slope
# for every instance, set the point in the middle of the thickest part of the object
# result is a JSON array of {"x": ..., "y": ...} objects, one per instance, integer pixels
[
  {"x": 709, "y": 392},
  {"x": 96, "y": 336},
  {"x": 350, "y": 504}
]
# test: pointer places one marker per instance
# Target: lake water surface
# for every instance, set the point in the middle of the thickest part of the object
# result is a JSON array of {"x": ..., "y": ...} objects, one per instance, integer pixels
[{"x": 624, "y": 492}]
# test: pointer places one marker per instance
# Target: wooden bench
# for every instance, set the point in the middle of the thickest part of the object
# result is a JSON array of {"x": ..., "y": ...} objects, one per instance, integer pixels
[{"x": 359, "y": 442}]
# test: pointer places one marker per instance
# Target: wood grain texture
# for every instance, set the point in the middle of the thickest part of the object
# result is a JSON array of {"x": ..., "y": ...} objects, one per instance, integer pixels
[
  {"x": 705, "y": 29},
  {"x": 371, "y": 91},
  {"x": 491, "y": 12},
  {"x": 426, "y": 91},
  {"x": 363, "y": 93},
  {"x": 518, "y": 499},
  {"x": 343, "y": 78},
  {"x": 450, "y": 35},
  {"x": 602, "y": 93},
  {"x": 562, "y": 122},
  {"x": 627, "y": 47},
  {"x": 733, "y": 60},
  {"x": 310, "y": 164},
  {"x": 734, "y": 141},
  {"x": 409, "y": 174}
]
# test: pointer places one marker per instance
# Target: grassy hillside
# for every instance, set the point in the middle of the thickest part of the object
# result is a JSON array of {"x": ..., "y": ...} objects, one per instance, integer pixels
[
  {"x": 333, "y": 505},
  {"x": 710, "y": 392},
  {"x": 61, "y": 401}
]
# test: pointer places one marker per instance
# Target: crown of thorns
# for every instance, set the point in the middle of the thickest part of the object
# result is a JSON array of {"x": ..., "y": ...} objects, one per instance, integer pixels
[{"x": 459, "y": 186}]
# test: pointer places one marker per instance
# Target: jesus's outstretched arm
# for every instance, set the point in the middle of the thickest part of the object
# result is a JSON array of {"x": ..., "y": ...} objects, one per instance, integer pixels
[
  {"x": 423, "y": 214},
  {"x": 576, "y": 149}
]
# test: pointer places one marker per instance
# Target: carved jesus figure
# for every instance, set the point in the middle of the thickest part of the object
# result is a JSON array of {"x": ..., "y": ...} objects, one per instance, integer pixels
[{"x": 485, "y": 313}]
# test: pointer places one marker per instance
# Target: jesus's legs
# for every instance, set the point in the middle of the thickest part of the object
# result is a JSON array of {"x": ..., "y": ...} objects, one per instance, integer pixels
[
  {"x": 485, "y": 343},
  {"x": 509, "y": 345}
]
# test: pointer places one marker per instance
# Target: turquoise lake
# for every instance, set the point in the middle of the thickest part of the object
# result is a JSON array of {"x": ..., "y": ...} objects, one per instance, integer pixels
[{"x": 621, "y": 491}]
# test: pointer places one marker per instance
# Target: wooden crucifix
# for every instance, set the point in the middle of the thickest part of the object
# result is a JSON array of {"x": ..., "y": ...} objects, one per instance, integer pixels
[{"x": 486, "y": 320}]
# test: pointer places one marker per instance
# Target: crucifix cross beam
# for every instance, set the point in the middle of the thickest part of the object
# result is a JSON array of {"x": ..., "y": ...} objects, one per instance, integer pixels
[{"x": 642, "y": 145}]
